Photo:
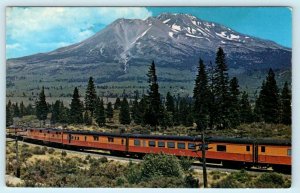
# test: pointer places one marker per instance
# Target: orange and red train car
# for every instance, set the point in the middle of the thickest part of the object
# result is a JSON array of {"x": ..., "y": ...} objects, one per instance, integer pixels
[{"x": 228, "y": 151}]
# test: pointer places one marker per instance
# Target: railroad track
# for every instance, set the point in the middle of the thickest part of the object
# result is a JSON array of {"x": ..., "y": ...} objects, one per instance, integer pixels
[{"x": 197, "y": 165}]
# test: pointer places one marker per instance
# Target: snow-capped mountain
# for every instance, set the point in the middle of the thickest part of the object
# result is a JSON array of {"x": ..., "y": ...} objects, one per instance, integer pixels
[{"x": 172, "y": 40}]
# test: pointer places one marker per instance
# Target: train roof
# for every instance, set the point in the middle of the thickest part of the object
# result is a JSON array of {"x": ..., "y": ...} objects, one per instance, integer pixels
[{"x": 176, "y": 137}]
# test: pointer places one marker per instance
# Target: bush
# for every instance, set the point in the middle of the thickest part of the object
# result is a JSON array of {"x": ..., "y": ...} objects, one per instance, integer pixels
[
  {"x": 191, "y": 182},
  {"x": 51, "y": 151},
  {"x": 64, "y": 153},
  {"x": 160, "y": 165},
  {"x": 133, "y": 173},
  {"x": 269, "y": 180},
  {"x": 39, "y": 151},
  {"x": 186, "y": 163},
  {"x": 103, "y": 159}
]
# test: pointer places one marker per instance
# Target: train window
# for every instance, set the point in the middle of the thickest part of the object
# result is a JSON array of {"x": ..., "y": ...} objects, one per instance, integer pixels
[
  {"x": 72, "y": 137},
  {"x": 263, "y": 149},
  {"x": 221, "y": 147},
  {"x": 161, "y": 144},
  {"x": 289, "y": 152},
  {"x": 171, "y": 144},
  {"x": 191, "y": 146},
  {"x": 48, "y": 131},
  {"x": 151, "y": 143},
  {"x": 96, "y": 138},
  {"x": 181, "y": 145},
  {"x": 248, "y": 148},
  {"x": 137, "y": 142},
  {"x": 110, "y": 139},
  {"x": 122, "y": 141},
  {"x": 85, "y": 138},
  {"x": 40, "y": 131}
]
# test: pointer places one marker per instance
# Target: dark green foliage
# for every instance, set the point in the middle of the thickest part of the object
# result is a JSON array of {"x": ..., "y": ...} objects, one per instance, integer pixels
[
  {"x": 29, "y": 110},
  {"x": 160, "y": 165},
  {"x": 170, "y": 106},
  {"x": 9, "y": 115},
  {"x": 117, "y": 104},
  {"x": 56, "y": 111},
  {"x": 245, "y": 109},
  {"x": 153, "y": 110},
  {"x": 136, "y": 111},
  {"x": 16, "y": 110},
  {"x": 201, "y": 98},
  {"x": 234, "y": 103},
  {"x": 270, "y": 180},
  {"x": 191, "y": 182},
  {"x": 186, "y": 163},
  {"x": 234, "y": 180},
  {"x": 109, "y": 111},
  {"x": 267, "y": 104},
  {"x": 90, "y": 96},
  {"x": 100, "y": 112},
  {"x": 185, "y": 112},
  {"x": 221, "y": 91},
  {"x": 76, "y": 108},
  {"x": 87, "y": 118},
  {"x": 124, "y": 116},
  {"x": 22, "y": 109},
  {"x": 42, "y": 107},
  {"x": 286, "y": 112}
]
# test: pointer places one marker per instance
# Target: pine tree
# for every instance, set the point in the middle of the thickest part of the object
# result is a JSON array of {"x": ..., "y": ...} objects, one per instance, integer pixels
[
  {"x": 9, "y": 115},
  {"x": 16, "y": 110},
  {"x": 87, "y": 119},
  {"x": 269, "y": 99},
  {"x": 29, "y": 110},
  {"x": 100, "y": 112},
  {"x": 117, "y": 104},
  {"x": 153, "y": 111},
  {"x": 42, "y": 107},
  {"x": 22, "y": 109},
  {"x": 136, "y": 114},
  {"x": 201, "y": 98},
  {"x": 124, "y": 116},
  {"x": 221, "y": 91},
  {"x": 55, "y": 113},
  {"x": 286, "y": 117},
  {"x": 234, "y": 107},
  {"x": 64, "y": 113},
  {"x": 245, "y": 109},
  {"x": 76, "y": 108},
  {"x": 109, "y": 111},
  {"x": 169, "y": 103},
  {"x": 90, "y": 96}
]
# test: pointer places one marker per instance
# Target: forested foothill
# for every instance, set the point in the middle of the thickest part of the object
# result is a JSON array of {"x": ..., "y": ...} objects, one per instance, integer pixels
[{"x": 217, "y": 104}]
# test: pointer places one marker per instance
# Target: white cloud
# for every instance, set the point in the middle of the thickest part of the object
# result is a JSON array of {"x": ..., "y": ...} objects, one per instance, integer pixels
[{"x": 29, "y": 25}]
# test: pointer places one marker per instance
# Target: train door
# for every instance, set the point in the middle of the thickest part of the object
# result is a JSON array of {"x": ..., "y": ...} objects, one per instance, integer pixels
[{"x": 127, "y": 144}]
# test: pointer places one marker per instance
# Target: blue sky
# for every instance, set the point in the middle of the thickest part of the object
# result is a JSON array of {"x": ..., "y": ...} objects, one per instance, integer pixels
[{"x": 31, "y": 30}]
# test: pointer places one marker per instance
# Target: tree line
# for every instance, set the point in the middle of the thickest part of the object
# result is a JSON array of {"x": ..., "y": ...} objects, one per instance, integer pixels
[{"x": 217, "y": 103}]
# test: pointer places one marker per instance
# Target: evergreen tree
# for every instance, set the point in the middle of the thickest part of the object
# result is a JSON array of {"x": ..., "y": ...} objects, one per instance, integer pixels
[
  {"x": 124, "y": 116},
  {"x": 269, "y": 99},
  {"x": 221, "y": 91},
  {"x": 153, "y": 111},
  {"x": 201, "y": 98},
  {"x": 64, "y": 113},
  {"x": 9, "y": 115},
  {"x": 286, "y": 117},
  {"x": 109, "y": 111},
  {"x": 29, "y": 110},
  {"x": 234, "y": 107},
  {"x": 169, "y": 102},
  {"x": 87, "y": 119},
  {"x": 117, "y": 104},
  {"x": 100, "y": 112},
  {"x": 55, "y": 113},
  {"x": 245, "y": 109},
  {"x": 136, "y": 113},
  {"x": 42, "y": 107},
  {"x": 22, "y": 109},
  {"x": 76, "y": 108},
  {"x": 90, "y": 96},
  {"x": 16, "y": 110}
]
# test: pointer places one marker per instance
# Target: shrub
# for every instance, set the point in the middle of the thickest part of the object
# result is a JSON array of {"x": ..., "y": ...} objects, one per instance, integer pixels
[
  {"x": 133, "y": 173},
  {"x": 64, "y": 153},
  {"x": 51, "y": 151},
  {"x": 269, "y": 180},
  {"x": 39, "y": 151},
  {"x": 103, "y": 159},
  {"x": 161, "y": 165},
  {"x": 186, "y": 163},
  {"x": 191, "y": 182}
]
